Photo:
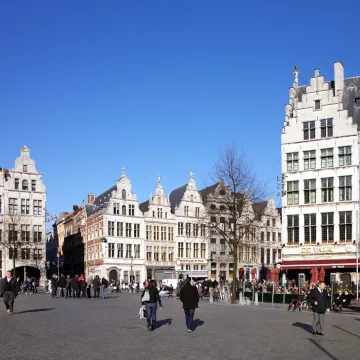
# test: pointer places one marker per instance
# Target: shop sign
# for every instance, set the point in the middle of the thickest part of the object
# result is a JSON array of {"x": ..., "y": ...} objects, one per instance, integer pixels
[
  {"x": 317, "y": 250},
  {"x": 192, "y": 261},
  {"x": 338, "y": 266},
  {"x": 223, "y": 257}
]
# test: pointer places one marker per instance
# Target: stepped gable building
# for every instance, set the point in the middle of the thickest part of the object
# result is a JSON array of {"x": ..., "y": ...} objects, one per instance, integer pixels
[
  {"x": 160, "y": 225},
  {"x": 191, "y": 241},
  {"x": 22, "y": 219},
  {"x": 320, "y": 167}
]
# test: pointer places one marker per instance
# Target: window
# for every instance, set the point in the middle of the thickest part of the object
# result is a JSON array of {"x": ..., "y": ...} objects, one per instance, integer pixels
[
  {"x": 119, "y": 229},
  {"x": 327, "y": 158},
  {"x": 310, "y": 228},
  {"x": 196, "y": 250},
  {"x": 25, "y": 185},
  {"x": 268, "y": 222},
  {"x": 191, "y": 197},
  {"x": 268, "y": 256},
  {"x": 357, "y": 101},
  {"x": 317, "y": 105},
  {"x": 180, "y": 228},
  {"x": 126, "y": 277},
  {"x": 345, "y": 189},
  {"x": 17, "y": 181},
  {"x": 344, "y": 155},
  {"x": 186, "y": 211},
  {"x": 310, "y": 191},
  {"x": 37, "y": 207},
  {"x": 327, "y": 227},
  {"x": 37, "y": 233},
  {"x": 123, "y": 194},
  {"x": 37, "y": 254},
  {"x": 262, "y": 236},
  {"x": 131, "y": 210},
  {"x": 262, "y": 256},
  {"x": 156, "y": 253},
  {"x": 25, "y": 206},
  {"x": 309, "y": 159},
  {"x": 268, "y": 236},
  {"x": 148, "y": 232},
  {"x": 327, "y": 189},
  {"x": 33, "y": 185},
  {"x": 25, "y": 254},
  {"x": 309, "y": 130},
  {"x": 326, "y": 127},
  {"x": 274, "y": 237},
  {"x": 180, "y": 249},
  {"x": 128, "y": 251},
  {"x": 153, "y": 214},
  {"x": 136, "y": 230},
  {"x": 13, "y": 253},
  {"x": 160, "y": 212},
  {"x": 111, "y": 228},
  {"x": 163, "y": 254},
  {"x": 279, "y": 237},
  {"x": 171, "y": 254},
  {"x": 116, "y": 208},
  {"x": 128, "y": 229},
  {"x": 292, "y": 161},
  {"x": 197, "y": 212},
  {"x": 203, "y": 251},
  {"x": 345, "y": 224},
  {"x": 148, "y": 253},
  {"x": 273, "y": 222},
  {"x": 222, "y": 247},
  {"x": 123, "y": 210},
  {"x": 293, "y": 229},
  {"x": 274, "y": 256},
  {"x": 196, "y": 230},
  {"x": 111, "y": 250},
  {"x": 293, "y": 192},
  {"x": 188, "y": 229},
  {"x": 25, "y": 233},
  {"x": 171, "y": 234},
  {"x": 163, "y": 233},
  {"x": 156, "y": 233},
  {"x": 12, "y": 206},
  {"x": 202, "y": 230},
  {"x": 24, "y": 168},
  {"x": 137, "y": 251},
  {"x": 120, "y": 250},
  {"x": 188, "y": 250}
]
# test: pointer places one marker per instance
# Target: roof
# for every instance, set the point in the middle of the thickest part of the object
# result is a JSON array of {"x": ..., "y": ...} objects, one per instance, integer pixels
[
  {"x": 100, "y": 201},
  {"x": 176, "y": 196},
  {"x": 144, "y": 207},
  {"x": 259, "y": 208},
  {"x": 207, "y": 191}
]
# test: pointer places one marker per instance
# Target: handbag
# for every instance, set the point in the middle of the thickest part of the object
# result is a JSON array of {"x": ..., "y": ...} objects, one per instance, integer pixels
[{"x": 146, "y": 296}]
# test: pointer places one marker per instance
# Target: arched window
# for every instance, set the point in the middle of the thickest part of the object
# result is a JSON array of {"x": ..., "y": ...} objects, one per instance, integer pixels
[
  {"x": 25, "y": 185},
  {"x": 213, "y": 207},
  {"x": 123, "y": 210},
  {"x": 123, "y": 194}
]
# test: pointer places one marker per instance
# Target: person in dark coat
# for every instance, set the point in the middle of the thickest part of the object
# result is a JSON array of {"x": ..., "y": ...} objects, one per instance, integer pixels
[
  {"x": 152, "y": 293},
  {"x": 9, "y": 292},
  {"x": 53, "y": 285},
  {"x": 97, "y": 284},
  {"x": 189, "y": 296},
  {"x": 61, "y": 286},
  {"x": 68, "y": 286},
  {"x": 74, "y": 285},
  {"x": 320, "y": 304}
]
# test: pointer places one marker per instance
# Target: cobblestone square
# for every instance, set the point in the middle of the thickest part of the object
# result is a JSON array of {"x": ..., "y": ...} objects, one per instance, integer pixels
[{"x": 47, "y": 328}]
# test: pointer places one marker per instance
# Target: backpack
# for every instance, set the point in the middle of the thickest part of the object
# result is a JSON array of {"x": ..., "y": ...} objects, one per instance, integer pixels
[{"x": 146, "y": 296}]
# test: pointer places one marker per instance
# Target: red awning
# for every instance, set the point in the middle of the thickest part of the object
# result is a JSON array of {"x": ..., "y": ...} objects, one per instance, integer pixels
[{"x": 326, "y": 264}]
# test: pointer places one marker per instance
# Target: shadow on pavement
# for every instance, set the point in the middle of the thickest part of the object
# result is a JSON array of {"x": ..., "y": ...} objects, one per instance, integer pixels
[
  {"x": 33, "y": 311},
  {"x": 331, "y": 356},
  {"x": 347, "y": 331},
  {"x": 197, "y": 323},
  {"x": 161, "y": 323},
  {"x": 304, "y": 326}
]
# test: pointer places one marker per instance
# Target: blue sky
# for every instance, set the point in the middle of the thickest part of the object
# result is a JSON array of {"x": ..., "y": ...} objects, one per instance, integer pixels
[{"x": 157, "y": 86}]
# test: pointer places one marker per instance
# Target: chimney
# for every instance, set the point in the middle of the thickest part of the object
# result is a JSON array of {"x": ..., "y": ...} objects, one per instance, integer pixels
[
  {"x": 339, "y": 76},
  {"x": 91, "y": 199}
]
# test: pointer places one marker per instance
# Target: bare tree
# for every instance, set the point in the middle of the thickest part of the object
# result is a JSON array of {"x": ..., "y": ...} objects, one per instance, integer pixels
[
  {"x": 15, "y": 238},
  {"x": 231, "y": 211}
]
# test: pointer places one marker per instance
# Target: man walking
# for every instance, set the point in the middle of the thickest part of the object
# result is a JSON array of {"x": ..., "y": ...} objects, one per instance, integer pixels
[
  {"x": 320, "y": 304},
  {"x": 189, "y": 296},
  {"x": 54, "y": 281},
  {"x": 61, "y": 286},
  {"x": 68, "y": 286},
  {"x": 8, "y": 289},
  {"x": 97, "y": 284},
  {"x": 74, "y": 285}
]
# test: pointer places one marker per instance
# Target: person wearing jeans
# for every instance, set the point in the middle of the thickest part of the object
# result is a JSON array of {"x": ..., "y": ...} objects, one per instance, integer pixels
[
  {"x": 189, "y": 296},
  {"x": 150, "y": 297}
]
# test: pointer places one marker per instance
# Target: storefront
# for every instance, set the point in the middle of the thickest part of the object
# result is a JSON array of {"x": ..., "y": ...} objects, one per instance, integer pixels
[{"x": 195, "y": 269}]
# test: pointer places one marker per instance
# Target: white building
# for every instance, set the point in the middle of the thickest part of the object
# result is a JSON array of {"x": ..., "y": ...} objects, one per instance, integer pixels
[
  {"x": 22, "y": 218},
  {"x": 320, "y": 167}
]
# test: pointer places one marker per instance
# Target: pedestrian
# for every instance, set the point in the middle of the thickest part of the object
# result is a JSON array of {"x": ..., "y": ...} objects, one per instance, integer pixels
[
  {"x": 97, "y": 284},
  {"x": 104, "y": 288},
  {"x": 189, "y": 296},
  {"x": 53, "y": 285},
  {"x": 83, "y": 288},
  {"x": 88, "y": 289},
  {"x": 150, "y": 297},
  {"x": 68, "y": 286},
  {"x": 74, "y": 284},
  {"x": 320, "y": 304},
  {"x": 61, "y": 286},
  {"x": 8, "y": 289}
]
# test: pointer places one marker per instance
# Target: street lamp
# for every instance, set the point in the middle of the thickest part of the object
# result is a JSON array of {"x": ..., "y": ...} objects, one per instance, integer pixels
[
  {"x": 58, "y": 266},
  {"x": 104, "y": 241}
]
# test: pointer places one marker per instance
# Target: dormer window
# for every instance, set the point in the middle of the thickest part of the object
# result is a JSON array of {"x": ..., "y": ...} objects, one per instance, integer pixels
[
  {"x": 317, "y": 105},
  {"x": 123, "y": 194},
  {"x": 25, "y": 185},
  {"x": 24, "y": 168}
]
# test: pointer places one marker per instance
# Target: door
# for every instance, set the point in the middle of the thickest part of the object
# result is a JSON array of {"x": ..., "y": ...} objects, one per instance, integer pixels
[{"x": 113, "y": 275}]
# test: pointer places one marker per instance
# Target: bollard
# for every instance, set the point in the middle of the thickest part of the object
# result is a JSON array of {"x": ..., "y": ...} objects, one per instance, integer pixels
[
  {"x": 262, "y": 294},
  {"x": 241, "y": 299},
  {"x": 272, "y": 295},
  {"x": 256, "y": 298},
  {"x": 211, "y": 299},
  {"x": 226, "y": 296},
  {"x": 248, "y": 301},
  {"x": 284, "y": 296}
]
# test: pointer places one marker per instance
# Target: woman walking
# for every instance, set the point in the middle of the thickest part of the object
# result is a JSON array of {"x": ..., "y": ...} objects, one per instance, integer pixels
[
  {"x": 189, "y": 296},
  {"x": 150, "y": 297}
]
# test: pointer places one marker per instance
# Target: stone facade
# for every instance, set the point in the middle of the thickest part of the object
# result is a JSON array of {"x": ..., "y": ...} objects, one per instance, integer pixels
[{"x": 22, "y": 218}]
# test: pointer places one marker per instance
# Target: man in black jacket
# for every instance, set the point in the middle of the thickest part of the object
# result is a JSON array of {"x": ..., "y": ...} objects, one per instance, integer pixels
[
  {"x": 320, "y": 304},
  {"x": 8, "y": 289},
  {"x": 189, "y": 296}
]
